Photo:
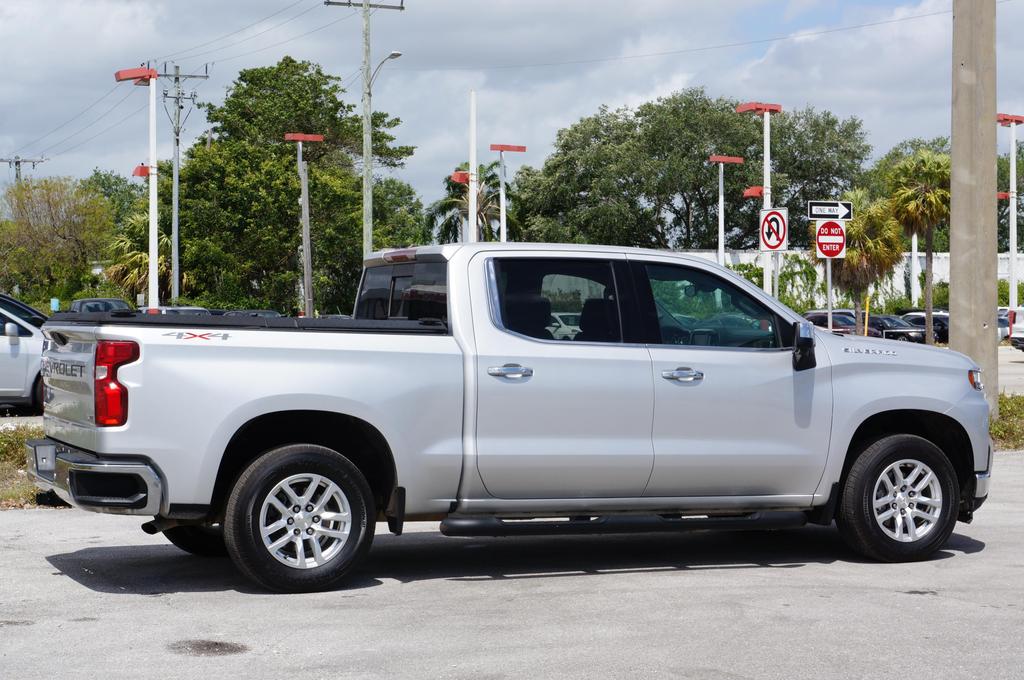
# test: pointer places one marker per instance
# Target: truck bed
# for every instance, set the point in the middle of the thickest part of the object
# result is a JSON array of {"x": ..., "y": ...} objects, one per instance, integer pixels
[{"x": 422, "y": 326}]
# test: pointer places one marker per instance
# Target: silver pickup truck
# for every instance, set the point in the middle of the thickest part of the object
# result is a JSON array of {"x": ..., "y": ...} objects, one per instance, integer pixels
[{"x": 681, "y": 397}]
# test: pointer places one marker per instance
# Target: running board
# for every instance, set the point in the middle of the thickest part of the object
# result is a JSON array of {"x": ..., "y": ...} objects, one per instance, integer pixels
[{"x": 617, "y": 524}]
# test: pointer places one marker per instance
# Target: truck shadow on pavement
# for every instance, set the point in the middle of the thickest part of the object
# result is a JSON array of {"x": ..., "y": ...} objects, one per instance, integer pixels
[{"x": 422, "y": 556}]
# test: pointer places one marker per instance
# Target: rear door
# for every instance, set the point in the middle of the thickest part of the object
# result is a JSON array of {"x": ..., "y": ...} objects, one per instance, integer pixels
[
  {"x": 731, "y": 416},
  {"x": 68, "y": 372},
  {"x": 566, "y": 415}
]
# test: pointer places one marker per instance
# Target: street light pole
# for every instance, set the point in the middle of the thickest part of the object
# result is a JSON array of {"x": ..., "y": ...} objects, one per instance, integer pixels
[
  {"x": 765, "y": 111},
  {"x": 147, "y": 76},
  {"x": 502, "y": 179},
  {"x": 722, "y": 160},
  {"x": 1012, "y": 122},
  {"x": 472, "y": 235},
  {"x": 307, "y": 248}
]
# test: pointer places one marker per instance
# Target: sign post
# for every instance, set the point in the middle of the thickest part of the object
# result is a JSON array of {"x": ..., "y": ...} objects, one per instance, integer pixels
[{"x": 830, "y": 240}]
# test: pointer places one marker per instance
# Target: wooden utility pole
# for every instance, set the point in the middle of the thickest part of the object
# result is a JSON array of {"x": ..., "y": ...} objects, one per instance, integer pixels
[{"x": 972, "y": 232}]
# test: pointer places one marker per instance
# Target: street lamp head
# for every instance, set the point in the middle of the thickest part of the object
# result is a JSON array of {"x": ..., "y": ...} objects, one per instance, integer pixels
[{"x": 394, "y": 54}]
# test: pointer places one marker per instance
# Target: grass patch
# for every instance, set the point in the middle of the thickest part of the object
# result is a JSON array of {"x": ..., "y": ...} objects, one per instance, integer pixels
[
  {"x": 16, "y": 491},
  {"x": 1008, "y": 431}
]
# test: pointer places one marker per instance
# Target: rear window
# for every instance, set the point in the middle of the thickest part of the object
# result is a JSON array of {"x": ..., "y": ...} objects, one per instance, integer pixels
[{"x": 407, "y": 291}]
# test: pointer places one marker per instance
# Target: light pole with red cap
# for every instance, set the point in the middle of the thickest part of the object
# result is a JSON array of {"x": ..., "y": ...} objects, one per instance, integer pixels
[
  {"x": 147, "y": 76},
  {"x": 1011, "y": 121},
  {"x": 722, "y": 160},
  {"x": 307, "y": 248},
  {"x": 765, "y": 111},
  {"x": 502, "y": 220}
]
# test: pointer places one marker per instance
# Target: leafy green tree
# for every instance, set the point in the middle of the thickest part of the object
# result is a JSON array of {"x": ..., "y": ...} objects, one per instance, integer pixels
[
  {"x": 920, "y": 202},
  {"x": 642, "y": 177},
  {"x": 54, "y": 237},
  {"x": 874, "y": 246},
  {"x": 122, "y": 194},
  {"x": 446, "y": 217},
  {"x": 240, "y": 230},
  {"x": 128, "y": 256}
]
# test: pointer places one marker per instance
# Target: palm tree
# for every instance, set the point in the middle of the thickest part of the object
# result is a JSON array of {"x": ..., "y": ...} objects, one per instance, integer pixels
[
  {"x": 874, "y": 246},
  {"x": 920, "y": 199},
  {"x": 129, "y": 259},
  {"x": 446, "y": 216}
]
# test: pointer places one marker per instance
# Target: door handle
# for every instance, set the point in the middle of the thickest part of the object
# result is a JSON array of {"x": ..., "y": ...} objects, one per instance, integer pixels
[
  {"x": 514, "y": 371},
  {"x": 683, "y": 374}
]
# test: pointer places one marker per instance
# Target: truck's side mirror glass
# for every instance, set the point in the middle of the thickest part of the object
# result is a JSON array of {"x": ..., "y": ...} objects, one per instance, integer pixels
[
  {"x": 803, "y": 346},
  {"x": 11, "y": 331}
]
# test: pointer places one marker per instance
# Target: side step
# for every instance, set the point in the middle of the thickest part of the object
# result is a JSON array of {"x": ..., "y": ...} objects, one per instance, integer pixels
[{"x": 617, "y": 524}]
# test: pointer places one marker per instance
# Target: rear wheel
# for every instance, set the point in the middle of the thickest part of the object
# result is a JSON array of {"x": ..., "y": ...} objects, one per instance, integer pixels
[
  {"x": 899, "y": 500},
  {"x": 299, "y": 519},
  {"x": 205, "y": 541}
]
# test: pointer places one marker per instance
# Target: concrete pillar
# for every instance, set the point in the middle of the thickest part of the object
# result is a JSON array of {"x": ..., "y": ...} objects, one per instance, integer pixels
[{"x": 973, "y": 256}]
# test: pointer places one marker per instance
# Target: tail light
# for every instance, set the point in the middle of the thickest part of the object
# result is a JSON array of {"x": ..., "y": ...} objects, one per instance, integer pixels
[{"x": 112, "y": 396}]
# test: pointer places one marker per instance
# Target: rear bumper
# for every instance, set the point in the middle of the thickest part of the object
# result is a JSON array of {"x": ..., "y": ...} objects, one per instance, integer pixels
[{"x": 90, "y": 482}]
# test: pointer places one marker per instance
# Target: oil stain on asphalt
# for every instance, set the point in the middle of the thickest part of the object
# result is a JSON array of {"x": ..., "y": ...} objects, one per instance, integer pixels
[{"x": 206, "y": 648}]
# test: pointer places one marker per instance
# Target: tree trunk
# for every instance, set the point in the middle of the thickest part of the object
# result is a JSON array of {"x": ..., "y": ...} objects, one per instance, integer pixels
[{"x": 929, "y": 331}]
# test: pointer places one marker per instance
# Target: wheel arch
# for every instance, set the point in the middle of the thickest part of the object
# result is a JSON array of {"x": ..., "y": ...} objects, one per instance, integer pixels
[
  {"x": 358, "y": 440},
  {"x": 940, "y": 429}
]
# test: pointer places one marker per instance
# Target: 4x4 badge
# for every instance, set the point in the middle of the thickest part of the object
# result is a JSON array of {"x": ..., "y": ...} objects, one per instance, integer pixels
[{"x": 189, "y": 335}]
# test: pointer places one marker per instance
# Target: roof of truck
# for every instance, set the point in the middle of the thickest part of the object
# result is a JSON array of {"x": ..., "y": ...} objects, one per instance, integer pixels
[{"x": 447, "y": 251}]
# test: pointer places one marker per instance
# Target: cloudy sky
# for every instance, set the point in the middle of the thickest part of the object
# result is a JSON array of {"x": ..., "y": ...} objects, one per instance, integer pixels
[{"x": 537, "y": 66}]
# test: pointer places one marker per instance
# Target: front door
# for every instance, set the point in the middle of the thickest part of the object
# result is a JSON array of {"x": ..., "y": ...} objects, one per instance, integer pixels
[
  {"x": 731, "y": 416},
  {"x": 13, "y": 360},
  {"x": 564, "y": 404}
]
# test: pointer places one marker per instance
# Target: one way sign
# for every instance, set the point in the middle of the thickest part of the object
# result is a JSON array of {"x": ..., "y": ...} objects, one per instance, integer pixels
[{"x": 829, "y": 210}]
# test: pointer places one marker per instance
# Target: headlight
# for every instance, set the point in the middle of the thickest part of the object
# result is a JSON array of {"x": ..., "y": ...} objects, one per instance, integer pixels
[{"x": 974, "y": 377}]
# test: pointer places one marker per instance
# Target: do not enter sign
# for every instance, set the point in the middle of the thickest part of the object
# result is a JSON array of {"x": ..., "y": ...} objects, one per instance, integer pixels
[{"x": 831, "y": 239}]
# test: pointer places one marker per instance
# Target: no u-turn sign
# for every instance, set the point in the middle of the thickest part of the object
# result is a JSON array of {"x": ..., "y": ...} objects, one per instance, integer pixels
[{"x": 774, "y": 230}]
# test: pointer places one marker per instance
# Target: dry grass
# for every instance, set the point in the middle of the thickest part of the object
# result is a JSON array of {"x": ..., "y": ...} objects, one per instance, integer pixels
[
  {"x": 1008, "y": 430},
  {"x": 16, "y": 491}
]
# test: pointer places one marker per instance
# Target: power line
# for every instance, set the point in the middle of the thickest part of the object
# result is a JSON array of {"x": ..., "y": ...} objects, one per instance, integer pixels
[
  {"x": 690, "y": 50},
  {"x": 297, "y": 37},
  {"x": 248, "y": 38},
  {"x": 71, "y": 119},
  {"x": 98, "y": 119},
  {"x": 228, "y": 35},
  {"x": 104, "y": 130}
]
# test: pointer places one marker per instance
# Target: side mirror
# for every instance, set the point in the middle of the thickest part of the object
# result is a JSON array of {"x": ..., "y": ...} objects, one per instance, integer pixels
[
  {"x": 803, "y": 346},
  {"x": 11, "y": 331}
]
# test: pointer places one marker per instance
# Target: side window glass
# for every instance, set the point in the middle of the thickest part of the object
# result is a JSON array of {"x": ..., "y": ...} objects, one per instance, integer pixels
[
  {"x": 556, "y": 299},
  {"x": 700, "y": 309},
  {"x": 404, "y": 291}
]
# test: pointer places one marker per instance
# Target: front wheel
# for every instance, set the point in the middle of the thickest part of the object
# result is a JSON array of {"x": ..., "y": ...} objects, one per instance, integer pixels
[
  {"x": 299, "y": 519},
  {"x": 899, "y": 500}
]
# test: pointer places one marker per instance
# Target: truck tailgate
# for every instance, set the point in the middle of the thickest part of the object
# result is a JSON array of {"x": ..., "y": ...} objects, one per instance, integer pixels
[{"x": 68, "y": 370}]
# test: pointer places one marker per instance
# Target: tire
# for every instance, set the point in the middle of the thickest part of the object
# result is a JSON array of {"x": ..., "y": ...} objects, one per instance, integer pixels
[
  {"x": 37, "y": 395},
  {"x": 204, "y": 541},
  {"x": 932, "y": 517},
  {"x": 265, "y": 495}
]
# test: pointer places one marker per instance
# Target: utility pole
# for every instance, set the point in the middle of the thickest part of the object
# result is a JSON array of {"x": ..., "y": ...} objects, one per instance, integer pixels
[
  {"x": 972, "y": 233},
  {"x": 16, "y": 162},
  {"x": 367, "y": 113},
  {"x": 177, "y": 122},
  {"x": 307, "y": 248}
]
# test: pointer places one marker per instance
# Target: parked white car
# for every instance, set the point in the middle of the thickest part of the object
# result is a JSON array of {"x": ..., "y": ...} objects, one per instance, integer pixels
[
  {"x": 21, "y": 349},
  {"x": 689, "y": 399}
]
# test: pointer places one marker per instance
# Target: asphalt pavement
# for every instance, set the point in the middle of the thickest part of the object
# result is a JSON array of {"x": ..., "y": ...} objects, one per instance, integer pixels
[
  {"x": 85, "y": 595},
  {"x": 1011, "y": 370}
]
